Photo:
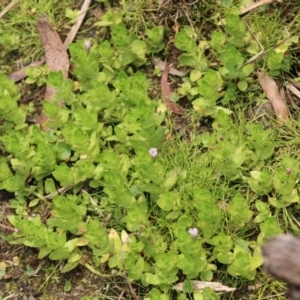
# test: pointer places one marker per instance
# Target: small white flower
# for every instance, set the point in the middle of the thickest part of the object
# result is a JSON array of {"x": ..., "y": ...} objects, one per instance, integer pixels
[
  {"x": 153, "y": 152},
  {"x": 87, "y": 45},
  {"x": 193, "y": 232}
]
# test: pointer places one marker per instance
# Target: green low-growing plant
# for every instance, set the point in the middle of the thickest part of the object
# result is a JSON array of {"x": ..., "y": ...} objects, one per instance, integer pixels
[
  {"x": 229, "y": 49},
  {"x": 127, "y": 205}
]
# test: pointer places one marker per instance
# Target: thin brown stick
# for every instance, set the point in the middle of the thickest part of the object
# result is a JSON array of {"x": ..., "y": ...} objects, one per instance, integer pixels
[
  {"x": 7, "y": 8},
  {"x": 131, "y": 289},
  {"x": 121, "y": 295},
  {"x": 256, "y": 5},
  {"x": 13, "y": 295},
  {"x": 84, "y": 8}
]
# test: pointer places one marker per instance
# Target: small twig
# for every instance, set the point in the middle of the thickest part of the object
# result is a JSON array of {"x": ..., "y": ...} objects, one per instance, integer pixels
[
  {"x": 257, "y": 4},
  {"x": 84, "y": 8},
  {"x": 21, "y": 74},
  {"x": 261, "y": 53},
  {"x": 14, "y": 295},
  {"x": 293, "y": 89},
  {"x": 100, "y": 213},
  {"x": 89, "y": 267},
  {"x": 7, "y": 8},
  {"x": 131, "y": 288},
  {"x": 59, "y": 192},
  {"x": 38, "y": 268},
  {"x": 50, "y": 196},
  {"x": 296, "y": 221},
  {"x": 8, "y": 227},
  {"x": 121, "y": 295},
  {"x": 271, "y": 296}
]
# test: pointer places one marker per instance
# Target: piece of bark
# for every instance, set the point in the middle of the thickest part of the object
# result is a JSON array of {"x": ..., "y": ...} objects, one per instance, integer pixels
[
  {"x": 282, "y": 260},
  {"x": 272, "y": 93},
  {"x": 166, "y": 92},
  {"x": 201, "y": 285}
]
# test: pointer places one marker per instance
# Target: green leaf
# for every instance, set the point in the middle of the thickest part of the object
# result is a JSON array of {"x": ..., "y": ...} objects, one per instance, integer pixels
[
  {"x": 5, "y": 170},
  {"x": 239, "y": 211},
  {"x": 188, "y": 59},
  {"x": 86, "y": 119},
  {"x": 97, "y": 236},
  {"x": 268, "y": 228},
  {"x": 110, "y": 18},
  {"x": 2, "y": 272},
  {"x": 243, "y": 85},
  {"x": 231, "y": 59},
  {"x": 69, "y": 266},
  {"x": 284, "y": 182},
  {"x": 184, "y": 40},
  {"x": 171, "y": 179},
  {"x": 63, "y": 151},
  {"x": 225, "y": 258},
  {"x": 155, "y": 38},
  {"x": 226, "y": 3},
  {"x": 218, "y": 39},
  {"x": 82, "y": 170},
  {"x": 77, "y": 138},
  {"x": 155, "y": 34},
  {"x": 68, "y": 286},
  {"x": 260, "y": 181},
  {"x": 235, "y": 26},
  {"x": 152, "y": 279},
  {"x": 168, "y": 201},
  {"x": 63, "y": 174},
  {"x": 274, "y": 60}
]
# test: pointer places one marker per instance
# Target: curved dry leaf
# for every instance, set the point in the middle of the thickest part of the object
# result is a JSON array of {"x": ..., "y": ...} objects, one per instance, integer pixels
[
  {"x": 200, "y": 285},
  {"x": 272, "y": 93},
  {"x": 166, "y": 92}
]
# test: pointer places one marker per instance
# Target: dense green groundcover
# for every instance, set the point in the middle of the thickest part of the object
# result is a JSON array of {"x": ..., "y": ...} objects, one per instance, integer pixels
[{"x": 196, "y": 207}]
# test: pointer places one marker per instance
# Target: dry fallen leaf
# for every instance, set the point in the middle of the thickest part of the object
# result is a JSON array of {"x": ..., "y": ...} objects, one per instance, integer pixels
[
  {"x": 272, "y": 93},
  {"x": 161, "y": 65},
  {"x": 21, "y": 74},
  {"x": 57, "y": 58},
  {"x": 56, "y": 54},
  {"x": 200, "y": 285},
  {"x": 166, "y": 92}
]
